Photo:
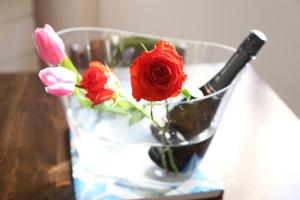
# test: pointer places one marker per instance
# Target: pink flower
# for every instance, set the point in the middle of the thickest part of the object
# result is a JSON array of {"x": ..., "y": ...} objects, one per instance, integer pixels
[
  {"x": 49, "y": 46},
  {"x": 59, "y": 81}
]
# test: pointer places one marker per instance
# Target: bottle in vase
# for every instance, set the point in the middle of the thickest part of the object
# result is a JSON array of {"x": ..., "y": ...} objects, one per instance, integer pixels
[{"x": 189, "y": 119}]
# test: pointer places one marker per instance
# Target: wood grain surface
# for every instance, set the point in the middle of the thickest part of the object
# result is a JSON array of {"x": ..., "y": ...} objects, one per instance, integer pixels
[
  {"x": 255, "y": 150},
  {"x": 34, "y": 148},
  {"x": 34, "y": 161}
]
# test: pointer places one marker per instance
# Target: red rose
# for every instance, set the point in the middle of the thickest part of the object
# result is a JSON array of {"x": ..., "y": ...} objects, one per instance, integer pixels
[
  {"x": 157, "y": 74},
  {"x": 94, "y": 81}
]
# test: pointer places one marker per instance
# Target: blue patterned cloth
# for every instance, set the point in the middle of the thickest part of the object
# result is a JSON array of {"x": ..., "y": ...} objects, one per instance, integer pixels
[{"x": 89, "y": 185}]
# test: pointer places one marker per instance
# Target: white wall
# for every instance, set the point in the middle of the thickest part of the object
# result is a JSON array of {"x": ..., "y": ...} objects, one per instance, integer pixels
[
  {"x": 67, "y": 13},
  {"x": 17, "y": 52},
  {"x": 223, "y": 21}
]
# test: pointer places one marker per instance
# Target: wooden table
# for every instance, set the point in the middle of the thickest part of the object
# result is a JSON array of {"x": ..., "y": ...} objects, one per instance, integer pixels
[
  {"x": 255, "y": 152},
  {"x": 34, "y": 161}
]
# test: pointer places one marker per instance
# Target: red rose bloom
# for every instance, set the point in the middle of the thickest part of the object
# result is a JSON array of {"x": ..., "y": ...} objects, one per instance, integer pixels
[
  {"x": 157, "y": 74},
  {"x": 94, "y": 81}
]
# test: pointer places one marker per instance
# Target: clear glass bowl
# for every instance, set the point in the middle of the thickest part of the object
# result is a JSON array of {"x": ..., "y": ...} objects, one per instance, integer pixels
[{"x": 109, "y": 147}]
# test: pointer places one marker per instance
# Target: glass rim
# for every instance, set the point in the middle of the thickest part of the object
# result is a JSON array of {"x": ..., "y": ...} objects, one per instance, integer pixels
[
  {"x": 194, "y": 99},
  {"x": 154, "y": 36}
]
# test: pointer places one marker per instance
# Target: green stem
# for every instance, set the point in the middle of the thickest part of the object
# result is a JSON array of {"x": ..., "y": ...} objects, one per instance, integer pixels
[
  {"x": 67, "y": 63},
  {"x": 172, "y": 159},
  {"x": 169, "y": 149},
  {"x": 162, "y": 154},
  {"x": 167, "y": 114},
  {"x": 151, "y": 112}
]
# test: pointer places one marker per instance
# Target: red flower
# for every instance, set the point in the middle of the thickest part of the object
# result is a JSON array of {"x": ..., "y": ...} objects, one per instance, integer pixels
[
  {"x": 157, "y": 74},
  {"x": 94, "y": 81}
]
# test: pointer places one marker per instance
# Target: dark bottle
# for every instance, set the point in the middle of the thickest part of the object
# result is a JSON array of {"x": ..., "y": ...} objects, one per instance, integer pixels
[
  {"x": 189, "y": 120},
  {"x": 246, "y": 52}
]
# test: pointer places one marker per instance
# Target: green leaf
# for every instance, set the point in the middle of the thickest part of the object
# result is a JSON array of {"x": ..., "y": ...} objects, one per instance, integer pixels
[
  {"x": 121, "y": 106},
  {"x": 84, "y": 102},
  {"x": 144, "y": 47},
  {"x": 186, "y": 94},
  {"x": 124, "y": 104},
  {"x": 136, "y": 116},
  {"x": 108, "y": 107}
]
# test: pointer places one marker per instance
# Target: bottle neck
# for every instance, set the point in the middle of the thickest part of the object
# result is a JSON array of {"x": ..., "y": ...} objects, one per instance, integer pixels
[
  {"x": 246, "y": 51},
  {"x": 224, "y": 78}
]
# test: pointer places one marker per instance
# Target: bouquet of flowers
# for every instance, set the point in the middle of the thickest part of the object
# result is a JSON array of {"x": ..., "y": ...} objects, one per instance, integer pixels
[{"x": 156, "y": 75}]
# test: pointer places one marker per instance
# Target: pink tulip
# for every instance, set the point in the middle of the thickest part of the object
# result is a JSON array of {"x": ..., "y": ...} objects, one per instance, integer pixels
[
  {"x": 49, "y": 46},
  {"x": 59, "y": 81}
]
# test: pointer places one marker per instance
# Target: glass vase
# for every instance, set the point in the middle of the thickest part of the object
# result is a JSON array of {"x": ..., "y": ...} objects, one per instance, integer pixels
[{"x": 156, "y": 151}]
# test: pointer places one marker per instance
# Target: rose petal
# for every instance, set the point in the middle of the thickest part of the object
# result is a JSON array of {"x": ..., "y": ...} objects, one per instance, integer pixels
[{"x": 157, "y": 74}]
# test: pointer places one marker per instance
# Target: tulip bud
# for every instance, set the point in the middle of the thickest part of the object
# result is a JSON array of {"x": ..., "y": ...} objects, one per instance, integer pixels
[
  {"x": 59, "y": 81},
  {"x": 50, "y": 47}
]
